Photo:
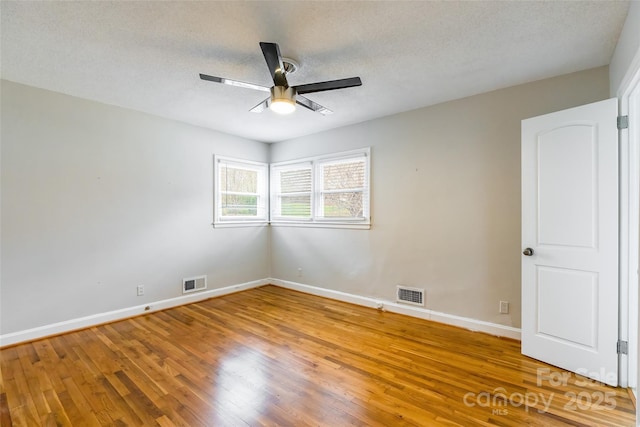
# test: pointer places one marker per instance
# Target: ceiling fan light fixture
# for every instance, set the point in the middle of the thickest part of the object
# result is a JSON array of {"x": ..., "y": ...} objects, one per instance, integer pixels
[{"x": 283, "y": 100}]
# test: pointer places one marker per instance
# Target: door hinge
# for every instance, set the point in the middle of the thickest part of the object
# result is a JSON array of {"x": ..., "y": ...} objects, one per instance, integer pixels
[
  {"x": 622, "y": 347},
  {"x": 623, "y": 122}
]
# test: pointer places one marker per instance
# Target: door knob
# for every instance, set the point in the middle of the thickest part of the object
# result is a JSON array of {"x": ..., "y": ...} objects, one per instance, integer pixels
[{"x": 528, "y": 252}]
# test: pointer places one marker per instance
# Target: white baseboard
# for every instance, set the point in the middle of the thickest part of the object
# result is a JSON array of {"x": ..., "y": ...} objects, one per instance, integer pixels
[
  {"x": 112, "y": 316},
  {"x": 422, "y": 313}
]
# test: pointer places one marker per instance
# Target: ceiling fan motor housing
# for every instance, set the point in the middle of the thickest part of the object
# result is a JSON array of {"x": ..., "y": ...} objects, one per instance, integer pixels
[{"x": 283, "y": 99}]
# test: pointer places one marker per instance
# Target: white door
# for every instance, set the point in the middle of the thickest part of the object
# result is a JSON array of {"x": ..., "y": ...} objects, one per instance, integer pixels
[{"x": 570, "y": 239}]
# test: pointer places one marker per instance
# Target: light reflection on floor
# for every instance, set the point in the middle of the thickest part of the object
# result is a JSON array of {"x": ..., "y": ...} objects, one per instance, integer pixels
[{"x": 240, "y": 384}]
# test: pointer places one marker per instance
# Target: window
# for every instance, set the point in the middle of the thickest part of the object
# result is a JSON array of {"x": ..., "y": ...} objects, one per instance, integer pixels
[
  {"x": 292, "y": 190},
  {"x": 240, "y": 191},
  {"x": 329, "y": 190},
  {"x": 342, "y": 188}
]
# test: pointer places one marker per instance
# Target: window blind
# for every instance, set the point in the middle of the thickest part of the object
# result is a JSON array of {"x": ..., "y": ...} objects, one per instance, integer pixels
[{"x": 293, "y": 191}]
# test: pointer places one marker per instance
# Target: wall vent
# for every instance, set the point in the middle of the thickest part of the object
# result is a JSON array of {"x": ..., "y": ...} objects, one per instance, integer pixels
[
  {"x": 193, "y": 284},
  {"x": 408, "y": 295}
]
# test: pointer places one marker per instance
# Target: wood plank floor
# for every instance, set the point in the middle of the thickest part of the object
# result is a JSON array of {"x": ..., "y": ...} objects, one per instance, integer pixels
[{"x": 271, "y": 356}]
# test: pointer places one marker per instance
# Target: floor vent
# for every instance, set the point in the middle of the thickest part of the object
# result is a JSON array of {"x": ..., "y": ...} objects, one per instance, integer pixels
[
  {"x": 194, "y": 284},
  {"x": 407, "y": 295}
]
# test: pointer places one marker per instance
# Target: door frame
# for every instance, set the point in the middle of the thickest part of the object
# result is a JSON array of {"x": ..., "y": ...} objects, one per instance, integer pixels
[{"x": 629, "y": 146}]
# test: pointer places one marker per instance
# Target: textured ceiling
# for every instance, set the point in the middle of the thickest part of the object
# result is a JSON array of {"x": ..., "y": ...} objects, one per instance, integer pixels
[{"x": 146, "y": 55}]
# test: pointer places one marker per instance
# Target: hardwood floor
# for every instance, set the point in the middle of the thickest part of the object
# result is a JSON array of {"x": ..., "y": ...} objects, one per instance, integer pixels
[{"x": 271, "y": 356}]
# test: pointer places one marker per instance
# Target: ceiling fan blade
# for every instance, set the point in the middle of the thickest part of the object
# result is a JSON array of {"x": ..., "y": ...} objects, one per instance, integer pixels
[
  {"x": 271, "y": 53},
  {"x": 234, "y": 83},
  {"x": 330, "y": 85},
  {"x": 262, "y": 106},
  {"x": 313, "y": 106}
]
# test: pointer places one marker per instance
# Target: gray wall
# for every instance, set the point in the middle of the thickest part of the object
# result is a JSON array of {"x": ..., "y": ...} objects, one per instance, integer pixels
[
  {"x": 445, "y": 201},
  {"x": 97, "y": 200},
  {"x": 627, "y": 49}
]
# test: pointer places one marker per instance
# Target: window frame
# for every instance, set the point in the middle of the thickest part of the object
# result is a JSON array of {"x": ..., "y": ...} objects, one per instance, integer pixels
[
  {"x": 262, "y": 195},
  {"x": 317, "y": 219}
]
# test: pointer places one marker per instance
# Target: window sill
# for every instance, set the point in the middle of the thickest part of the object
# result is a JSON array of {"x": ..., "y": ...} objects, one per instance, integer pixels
[
  {"x": 236, "y": 224},
  {"x": 351, "y": 225},
  {"x": 327, "y": 224}
]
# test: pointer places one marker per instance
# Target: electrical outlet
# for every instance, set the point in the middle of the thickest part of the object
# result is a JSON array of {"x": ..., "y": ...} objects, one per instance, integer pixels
[
  {"x": 504, "y": 307},
  {"x": 299, "y": 272},
  {"x": 140, "y": 290}
]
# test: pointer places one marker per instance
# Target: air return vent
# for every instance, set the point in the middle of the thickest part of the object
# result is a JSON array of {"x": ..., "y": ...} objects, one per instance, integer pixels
[
  {"x": 408, "y": 295},
  {"x": 193, "y": 284}
]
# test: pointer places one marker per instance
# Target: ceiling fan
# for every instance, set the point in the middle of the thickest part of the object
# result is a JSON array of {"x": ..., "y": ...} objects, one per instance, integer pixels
[{"x": 283, "y": 97}]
